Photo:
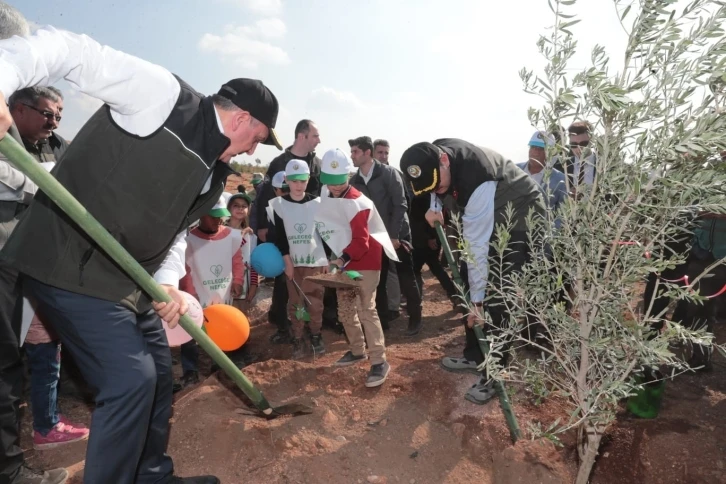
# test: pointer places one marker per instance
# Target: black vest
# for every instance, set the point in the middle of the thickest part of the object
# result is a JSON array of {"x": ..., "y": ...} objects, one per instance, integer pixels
[
  {"x": 472, "y": 165},
  {"x": 144, "y": 191}
]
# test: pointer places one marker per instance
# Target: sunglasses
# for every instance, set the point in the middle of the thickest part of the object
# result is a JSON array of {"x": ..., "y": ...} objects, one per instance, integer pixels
[
  {"x": 579, "y": 144},
  {"x": 47, "y": 114}
]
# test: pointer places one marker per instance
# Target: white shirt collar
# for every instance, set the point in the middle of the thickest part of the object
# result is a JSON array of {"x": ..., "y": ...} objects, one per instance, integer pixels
[{"x": 219, "y": 120}]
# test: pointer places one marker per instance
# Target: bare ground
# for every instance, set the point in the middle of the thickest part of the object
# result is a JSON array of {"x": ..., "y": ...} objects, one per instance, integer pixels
[{"x": 416, "y": 428}]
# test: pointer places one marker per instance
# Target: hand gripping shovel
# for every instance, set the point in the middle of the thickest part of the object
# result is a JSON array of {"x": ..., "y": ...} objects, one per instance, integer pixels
[
  {"x": 504, "y": 402},
  {"x": 66, "y": 202}
]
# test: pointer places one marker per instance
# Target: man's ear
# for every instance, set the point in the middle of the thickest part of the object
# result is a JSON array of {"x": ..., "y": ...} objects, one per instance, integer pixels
[
  {"x": 241, "y": 118},
  {"x": 444, "y": 160}
]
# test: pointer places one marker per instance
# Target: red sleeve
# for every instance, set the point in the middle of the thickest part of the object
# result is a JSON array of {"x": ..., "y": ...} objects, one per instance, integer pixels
[
  {"x": 186, "y": 284},
  {"x": 238, "y": 267},
  {"x": 359, "y": 244}
]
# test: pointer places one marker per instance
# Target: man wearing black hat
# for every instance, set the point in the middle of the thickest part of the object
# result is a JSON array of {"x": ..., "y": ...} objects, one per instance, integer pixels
[
  {"x": 483, "y": 184},
  {"x": 147, "y": 164}
]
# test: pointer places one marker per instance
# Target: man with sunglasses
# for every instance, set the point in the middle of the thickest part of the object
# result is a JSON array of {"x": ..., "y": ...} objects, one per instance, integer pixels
[
  {"x": 37, "y": 114},
  {"x": 580, "y": 166},
  {"x": 147, "y": 164}
]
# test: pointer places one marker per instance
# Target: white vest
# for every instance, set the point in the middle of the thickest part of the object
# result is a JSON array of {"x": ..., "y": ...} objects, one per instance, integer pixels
[
  {"x": 306, "y": 246},
  {"x": 333, "y": 223},
  {"x": 210, "y": 262}
]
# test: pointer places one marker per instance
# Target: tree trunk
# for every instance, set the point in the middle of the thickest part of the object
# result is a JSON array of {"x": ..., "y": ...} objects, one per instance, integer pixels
[{"x": 589, "y": 445}]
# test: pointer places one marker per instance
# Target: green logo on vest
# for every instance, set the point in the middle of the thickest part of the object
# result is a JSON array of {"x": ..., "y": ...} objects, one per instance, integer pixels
[
  {"x": 216, "y": 270},
  {"x": 319, "y": 225},
  {"x": 300, "y": 228}
]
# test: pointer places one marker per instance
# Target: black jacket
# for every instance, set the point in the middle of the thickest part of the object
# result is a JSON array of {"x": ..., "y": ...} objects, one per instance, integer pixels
[
  {"x": 47, "y": 150},
  {"x": 385, "y": 189},
  {"x": 144, "y": 191},
  {"x": 277, "y": 165}
]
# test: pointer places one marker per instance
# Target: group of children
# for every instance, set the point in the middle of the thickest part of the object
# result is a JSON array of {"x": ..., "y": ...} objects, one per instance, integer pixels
[{"x": 340, "y": 229}]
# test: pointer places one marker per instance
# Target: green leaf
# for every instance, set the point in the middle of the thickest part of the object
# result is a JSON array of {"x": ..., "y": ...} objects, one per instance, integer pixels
[{"x": 625, "y": 12}]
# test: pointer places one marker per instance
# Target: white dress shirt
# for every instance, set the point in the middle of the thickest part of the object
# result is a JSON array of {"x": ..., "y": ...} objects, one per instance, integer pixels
[
  {"x": 478, "y": 226},
  {"x": 141, "y": 95}
]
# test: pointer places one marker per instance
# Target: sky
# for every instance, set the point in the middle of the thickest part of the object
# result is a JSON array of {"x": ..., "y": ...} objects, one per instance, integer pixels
[{"x": 403, "y": 70}]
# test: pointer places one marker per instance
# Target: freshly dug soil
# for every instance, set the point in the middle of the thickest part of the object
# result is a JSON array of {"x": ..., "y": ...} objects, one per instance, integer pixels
[{"x": 416, "y": 428}]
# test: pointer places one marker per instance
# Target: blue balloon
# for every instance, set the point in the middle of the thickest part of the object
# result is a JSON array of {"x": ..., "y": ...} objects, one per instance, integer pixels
[{"x": 267, "y": 260}]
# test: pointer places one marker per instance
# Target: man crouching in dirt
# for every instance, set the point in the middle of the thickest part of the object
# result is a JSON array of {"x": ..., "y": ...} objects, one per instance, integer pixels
[
  {"x": 483, "y": 183},
  {"x": 349, "y": 224}
]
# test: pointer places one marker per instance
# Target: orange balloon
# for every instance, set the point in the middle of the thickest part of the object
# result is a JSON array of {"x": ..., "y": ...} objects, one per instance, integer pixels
[{"x": 227, "y": 326}]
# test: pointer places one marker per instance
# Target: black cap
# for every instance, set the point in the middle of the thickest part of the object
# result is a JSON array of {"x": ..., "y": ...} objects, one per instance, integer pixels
[
  {"x": 255, "y": 98},
  {"x": 420, "y": 167},
  {"x": 362, "y": 142}
]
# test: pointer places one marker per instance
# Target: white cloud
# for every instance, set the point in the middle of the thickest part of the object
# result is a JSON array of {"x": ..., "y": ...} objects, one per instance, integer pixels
[
  {"x": 245, "y": 45},
  {"x": 269, "y": 28},
  {"x": 262, "y": 7},
  {"x": 331, "y": 100}
]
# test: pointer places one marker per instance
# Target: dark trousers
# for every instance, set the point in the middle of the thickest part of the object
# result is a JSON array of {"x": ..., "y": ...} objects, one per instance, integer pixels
[
  {"x": 125, "y": 358},
  {"x": 11, "y": 374},
  {"x": 660, "y": 301},
  {"x": 278, "y": 306},
  {"x": 513, "y": 262},
  {"x": 430, "y": 257},
  {"x": 44, "y": 360},
  {"x": 407, "y": 282}
]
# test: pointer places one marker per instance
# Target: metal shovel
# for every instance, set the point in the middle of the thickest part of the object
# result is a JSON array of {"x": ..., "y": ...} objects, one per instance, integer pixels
[{"x": 66, "y": 202}]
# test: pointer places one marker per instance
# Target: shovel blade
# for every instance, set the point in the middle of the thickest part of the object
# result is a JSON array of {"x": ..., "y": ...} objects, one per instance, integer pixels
[{"x": 293, "y": 409}]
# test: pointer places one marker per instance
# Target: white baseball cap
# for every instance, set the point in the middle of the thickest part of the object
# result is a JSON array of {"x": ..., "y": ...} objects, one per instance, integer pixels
[
  {"x": 278, "y": 181},
  {"x": 220, "y": 209},
  {"x": 335, "y": 167},
  {"x": 297, "y": 170}
]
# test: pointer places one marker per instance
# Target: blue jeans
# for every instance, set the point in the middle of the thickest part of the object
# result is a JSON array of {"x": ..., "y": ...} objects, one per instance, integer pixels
[{"x": 44, "y": 362}]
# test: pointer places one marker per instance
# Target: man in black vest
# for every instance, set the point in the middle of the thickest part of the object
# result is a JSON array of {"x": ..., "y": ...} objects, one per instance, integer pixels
[
  {"x": 482, "y": 183},
  {"x": 147, "y": 164},
  {"x": 16, "y": 192}
]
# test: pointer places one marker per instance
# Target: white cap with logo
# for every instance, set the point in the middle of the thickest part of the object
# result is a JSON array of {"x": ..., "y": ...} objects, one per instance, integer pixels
[
  {"x": 335, "y": 167},
  {"x": 278, "y": 180},
  {"x": 297, "y": 170}
]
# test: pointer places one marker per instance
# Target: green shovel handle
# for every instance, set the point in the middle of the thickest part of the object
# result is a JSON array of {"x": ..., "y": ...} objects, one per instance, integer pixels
[
  {"x": 66, "y": 202},
  {"x": 504, "y": 402}
]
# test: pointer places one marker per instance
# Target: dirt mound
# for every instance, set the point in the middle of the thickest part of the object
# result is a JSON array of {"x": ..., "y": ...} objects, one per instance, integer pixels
[{"x": 416, "y": 427}]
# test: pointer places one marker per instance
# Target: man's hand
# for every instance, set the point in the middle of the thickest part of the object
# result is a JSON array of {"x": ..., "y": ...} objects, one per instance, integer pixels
[
  {"x": 236, "y": 290},
  {"x": 475, "y": 317},
  {"x": 339, "y": 262},
  {"x": 432, "y": 217},
  {"x": 6, "y": 120},
  {"x": 262, "y": 235},
  {"x": 171, "y": 311},
  {"x": 396, "y": 243},
  {"x": 433, "y": 244}
]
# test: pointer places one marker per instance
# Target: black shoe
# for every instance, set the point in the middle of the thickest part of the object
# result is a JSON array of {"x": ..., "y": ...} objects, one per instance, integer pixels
[
  {"x": 318, "y": 347},
  {"x": 298, "y": 349},
  {"x": 414, "y": 328},
  {"x": 189, "y": 378},
  {"x": 280, "y": 338},
  {"x": 350, "y": 359},
  {"x": 378, "y": 374},
  {"x": 176, "y": 387},
  {"x": 393, "y": 315},
  {"x": 195, "y": 480}
]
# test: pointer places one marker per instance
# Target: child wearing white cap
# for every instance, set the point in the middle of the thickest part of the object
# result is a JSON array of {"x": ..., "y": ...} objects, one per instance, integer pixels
[
  {"x": 304, "y": 255},
  {"x": 214, "y": 273},
  {"x": 350, "y": 225}
]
